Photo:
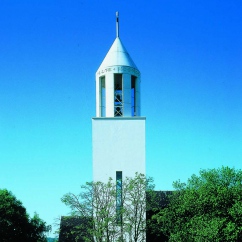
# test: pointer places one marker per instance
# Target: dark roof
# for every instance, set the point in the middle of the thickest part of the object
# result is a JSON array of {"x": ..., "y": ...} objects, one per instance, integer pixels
[
  {"x": 157, "y": 199},
  {"x": 163, "y": 198},
  {"x": 73, "y": 228}
]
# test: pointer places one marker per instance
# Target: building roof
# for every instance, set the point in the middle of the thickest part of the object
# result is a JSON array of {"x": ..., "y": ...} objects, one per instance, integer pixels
[
  {"x": 117, "y": 56},
  {"x": 74, "y": 229}
]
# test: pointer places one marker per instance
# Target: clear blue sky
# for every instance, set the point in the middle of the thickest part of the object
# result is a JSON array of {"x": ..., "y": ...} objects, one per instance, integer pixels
[{"x": 190, "y": 57}]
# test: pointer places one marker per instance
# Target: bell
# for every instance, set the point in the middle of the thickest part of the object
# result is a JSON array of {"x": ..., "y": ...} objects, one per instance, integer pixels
[
  {"x": 118, "y": 98},
  {"x": 118, "y": 112}
]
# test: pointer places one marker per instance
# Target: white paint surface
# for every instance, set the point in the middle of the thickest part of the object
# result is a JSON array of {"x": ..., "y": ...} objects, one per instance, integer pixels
[{"x": 118, "y": 145}]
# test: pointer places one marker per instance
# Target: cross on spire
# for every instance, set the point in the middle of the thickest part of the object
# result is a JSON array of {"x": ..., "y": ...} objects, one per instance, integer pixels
[{"x": 117, "y": 24}]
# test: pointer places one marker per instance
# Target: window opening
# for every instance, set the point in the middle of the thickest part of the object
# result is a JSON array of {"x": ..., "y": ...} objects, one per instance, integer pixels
[
  {"x": 133, "y": 95},
  {"x": 119, "y": 202},
  {"x": 103, "y": 96},
  {"x": 118, "y": 95}
]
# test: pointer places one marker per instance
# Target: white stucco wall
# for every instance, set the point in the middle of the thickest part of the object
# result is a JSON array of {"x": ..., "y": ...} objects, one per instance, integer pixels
[{"x": 118, "y": 145}]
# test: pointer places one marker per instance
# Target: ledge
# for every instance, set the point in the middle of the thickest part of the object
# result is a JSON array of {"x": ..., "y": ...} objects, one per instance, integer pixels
[{"x": 119, "y": 118}]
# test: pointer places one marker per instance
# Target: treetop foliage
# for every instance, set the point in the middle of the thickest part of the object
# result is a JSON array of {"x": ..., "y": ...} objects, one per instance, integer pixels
[
  {"x": 206, "y": 208},
  {"x": 15, "y": 223}
]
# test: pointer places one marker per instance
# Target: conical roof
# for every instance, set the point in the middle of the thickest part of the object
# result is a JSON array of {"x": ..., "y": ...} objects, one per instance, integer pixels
[{"x": 117, "y": 56}]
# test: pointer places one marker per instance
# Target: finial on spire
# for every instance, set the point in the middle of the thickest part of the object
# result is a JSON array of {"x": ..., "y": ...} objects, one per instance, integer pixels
[{"x": 117, "y": 25}]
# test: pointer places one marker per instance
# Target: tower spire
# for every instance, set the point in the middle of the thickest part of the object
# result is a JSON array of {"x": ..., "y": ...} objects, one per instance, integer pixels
[{"x": 117, "y": 24}]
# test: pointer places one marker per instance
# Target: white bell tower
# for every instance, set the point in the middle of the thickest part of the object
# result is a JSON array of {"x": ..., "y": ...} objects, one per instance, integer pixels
[{"x": 118, "y": 130}]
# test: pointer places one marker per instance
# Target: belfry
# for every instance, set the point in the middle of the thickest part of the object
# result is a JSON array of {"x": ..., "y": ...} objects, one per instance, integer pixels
[{"x": 118, "y": 130}]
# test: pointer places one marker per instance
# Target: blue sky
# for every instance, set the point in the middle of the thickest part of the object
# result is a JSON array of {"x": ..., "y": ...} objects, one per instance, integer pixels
[{"x": 190, "y": 57}]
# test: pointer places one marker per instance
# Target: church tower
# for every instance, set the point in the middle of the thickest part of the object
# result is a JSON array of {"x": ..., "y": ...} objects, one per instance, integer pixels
[{"x": 118, "y": 130}]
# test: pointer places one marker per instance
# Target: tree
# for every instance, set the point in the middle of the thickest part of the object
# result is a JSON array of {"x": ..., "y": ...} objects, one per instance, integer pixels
[
  {"x": 206, "y": 208},
  {"x": 135, "y": 205},
  {"x": 160, "y": 200},
  {"x": 96, "y": 204},
  {"x": 115, "y": 211},
  {"x": 15, "y": 223}
]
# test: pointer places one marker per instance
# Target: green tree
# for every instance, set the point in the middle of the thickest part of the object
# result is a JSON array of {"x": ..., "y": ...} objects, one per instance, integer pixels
[
  {"x": 116, "y": 212},
  {"x": 135, "y": 204},
  {"x": 15, "y": 223},
  {"x": 96, "y": 204},
  {"x": 206, "y": 208}
]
